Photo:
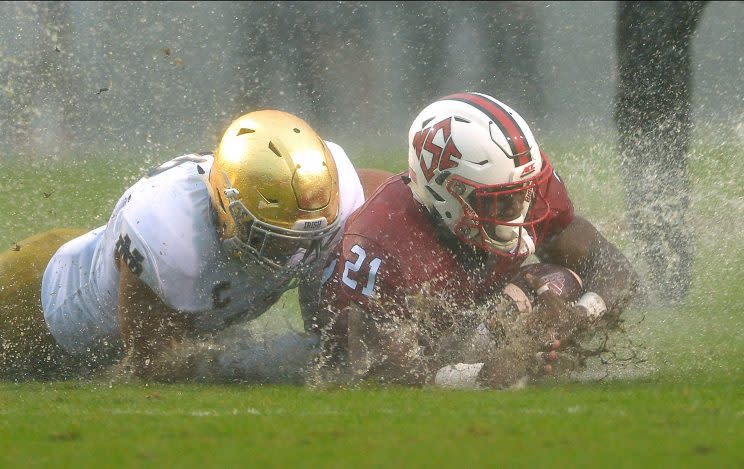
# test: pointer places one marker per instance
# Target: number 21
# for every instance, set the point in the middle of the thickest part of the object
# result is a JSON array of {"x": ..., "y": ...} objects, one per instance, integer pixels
[{"x": 374, "y": 265}]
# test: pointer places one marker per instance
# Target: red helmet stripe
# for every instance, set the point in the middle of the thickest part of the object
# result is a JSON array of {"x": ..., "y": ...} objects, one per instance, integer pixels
[{"x": 505, "y": 122}]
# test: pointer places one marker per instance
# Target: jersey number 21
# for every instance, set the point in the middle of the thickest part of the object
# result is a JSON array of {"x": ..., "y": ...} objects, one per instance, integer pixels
[{"x": 355, "y": 267}]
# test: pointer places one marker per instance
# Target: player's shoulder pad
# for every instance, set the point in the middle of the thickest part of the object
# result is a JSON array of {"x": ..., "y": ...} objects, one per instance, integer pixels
[
  {"x": 350, "y": 187},
  {"x": 335, "y": 148},
  {"x": 199, "y": 159}
]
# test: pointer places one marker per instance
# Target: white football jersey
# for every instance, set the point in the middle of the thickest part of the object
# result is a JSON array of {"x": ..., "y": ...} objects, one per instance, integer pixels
[{"x": 163, "y": 228}]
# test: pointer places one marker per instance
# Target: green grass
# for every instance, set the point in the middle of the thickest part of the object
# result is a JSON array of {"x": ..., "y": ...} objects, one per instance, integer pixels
[
  {"x": 684, "y": 406},
  {"x": 621, "y": 424}
]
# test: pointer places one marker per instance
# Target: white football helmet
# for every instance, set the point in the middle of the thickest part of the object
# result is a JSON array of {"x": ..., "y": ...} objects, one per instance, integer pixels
[{"x": 474, "y": 162}]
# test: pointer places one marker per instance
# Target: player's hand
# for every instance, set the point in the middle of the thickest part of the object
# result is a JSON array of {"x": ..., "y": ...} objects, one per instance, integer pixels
[
  {"x": 553, "y": 314},
  {"x": 521, "y": 360}
]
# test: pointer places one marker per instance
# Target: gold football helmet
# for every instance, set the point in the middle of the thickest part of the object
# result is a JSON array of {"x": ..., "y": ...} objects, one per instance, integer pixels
[{"x": 274, "y": 186}]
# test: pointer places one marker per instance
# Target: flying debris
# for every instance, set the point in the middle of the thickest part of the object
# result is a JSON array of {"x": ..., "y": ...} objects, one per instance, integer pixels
[
  {"x": 166, "y": 50},
  {"x": 101, "y": 90},
  {"x": 47, "y": 194},
  {"x": 16, "y": 247}
]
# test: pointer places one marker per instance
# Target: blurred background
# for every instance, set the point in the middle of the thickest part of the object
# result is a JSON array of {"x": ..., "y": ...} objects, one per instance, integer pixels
[
  {"x": 93, "y": 94},
  {"x": 164, "y": 78}
]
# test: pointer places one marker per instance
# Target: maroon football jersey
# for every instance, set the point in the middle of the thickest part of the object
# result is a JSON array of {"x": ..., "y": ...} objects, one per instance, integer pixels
[{"x": 392, "y": 248}]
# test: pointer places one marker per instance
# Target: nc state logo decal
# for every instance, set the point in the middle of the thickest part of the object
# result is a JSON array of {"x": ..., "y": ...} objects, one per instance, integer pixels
[{"x": 441, "y": 157}]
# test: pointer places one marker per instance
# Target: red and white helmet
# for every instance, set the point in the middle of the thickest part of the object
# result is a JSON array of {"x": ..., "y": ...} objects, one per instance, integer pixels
[{"x": 474, "y": 162}]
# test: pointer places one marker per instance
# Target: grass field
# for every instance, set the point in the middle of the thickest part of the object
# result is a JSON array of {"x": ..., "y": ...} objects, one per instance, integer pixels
[
  {"x": 665, "y": 424},
  {"x": 682, "y": 407}
]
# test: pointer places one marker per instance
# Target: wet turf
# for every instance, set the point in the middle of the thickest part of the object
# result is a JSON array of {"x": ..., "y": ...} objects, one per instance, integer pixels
[{"x": 682, "y": 406}]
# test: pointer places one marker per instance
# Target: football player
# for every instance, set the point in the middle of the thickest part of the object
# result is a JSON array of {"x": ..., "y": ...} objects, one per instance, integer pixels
[
  {"x": 200, "y": 243},
  {"x": 479, "y": 197}
]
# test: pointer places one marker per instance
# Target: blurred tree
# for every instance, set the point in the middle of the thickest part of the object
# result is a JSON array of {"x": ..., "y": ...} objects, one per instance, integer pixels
[
  {"x": 324, "y": 59},
  {"x": 510, "y": 43},
  {"x": 654, "y": 123},
  {"x": 312, "y": 56},
  {"x": 258, "y": 33},
  {"x": 41, "y": 106},
  {"x": 504, "y": 52},
  {"x": 427, "y": 27}
]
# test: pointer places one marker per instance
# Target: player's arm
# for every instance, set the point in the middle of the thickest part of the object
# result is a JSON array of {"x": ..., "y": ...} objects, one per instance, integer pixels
[
  {"x": 308, "y": 294},
  {"x": 605, "y": 270},
  {"x": 148, "y": 326}
]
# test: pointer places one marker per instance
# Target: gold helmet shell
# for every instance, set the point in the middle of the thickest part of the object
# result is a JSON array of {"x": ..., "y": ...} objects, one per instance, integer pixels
[{"x": 274, "y": 186}]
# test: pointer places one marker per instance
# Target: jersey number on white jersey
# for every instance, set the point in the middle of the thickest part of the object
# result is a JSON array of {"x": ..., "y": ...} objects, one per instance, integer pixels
[{"x": 132, "y": 257}]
